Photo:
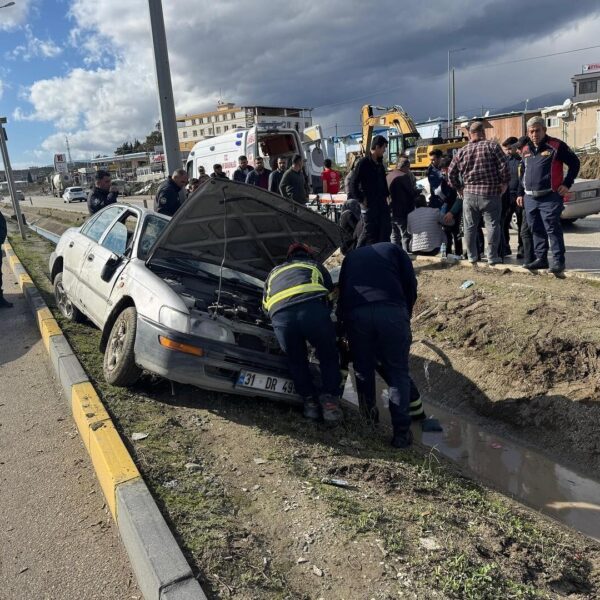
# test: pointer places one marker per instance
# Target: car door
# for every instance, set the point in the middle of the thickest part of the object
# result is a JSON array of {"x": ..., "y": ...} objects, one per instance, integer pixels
[
  {"x": 97, "y": 280},
  {"x": 77, "y": 248}
]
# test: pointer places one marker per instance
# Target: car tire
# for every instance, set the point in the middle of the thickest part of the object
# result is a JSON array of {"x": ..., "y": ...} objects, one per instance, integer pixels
[
  {"x": 119, "y": 358},
  {"x": 67, "y": 309}
]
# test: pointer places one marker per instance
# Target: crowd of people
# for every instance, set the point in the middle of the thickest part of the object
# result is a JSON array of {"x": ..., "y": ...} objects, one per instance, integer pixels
[{"x": 385, "y": 218}]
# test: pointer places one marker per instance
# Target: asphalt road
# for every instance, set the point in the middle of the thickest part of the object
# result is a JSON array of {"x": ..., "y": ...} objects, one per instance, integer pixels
[
  {"x": 582, "y": 238},
  {"x": 57, "y": 537}
]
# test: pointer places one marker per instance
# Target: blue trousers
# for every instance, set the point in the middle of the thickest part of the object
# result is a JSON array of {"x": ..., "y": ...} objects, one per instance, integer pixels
[
  {"x": 381, "y": 333},
  {"x": 543, "y": 218},
  {"x": 309, "y": 322}
]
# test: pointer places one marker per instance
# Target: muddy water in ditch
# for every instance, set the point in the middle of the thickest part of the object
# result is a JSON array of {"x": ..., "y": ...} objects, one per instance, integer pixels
[{"x": 517, "y": 471}]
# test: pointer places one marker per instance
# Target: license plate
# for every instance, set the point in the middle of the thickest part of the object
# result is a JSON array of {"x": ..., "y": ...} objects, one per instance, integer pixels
[
  {"x": 588, "y": 194},
  {"x": 267, "y": 383}
]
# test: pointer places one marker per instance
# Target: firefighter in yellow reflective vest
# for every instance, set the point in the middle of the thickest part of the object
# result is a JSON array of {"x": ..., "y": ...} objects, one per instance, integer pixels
[{"x": 296, "y": 299}]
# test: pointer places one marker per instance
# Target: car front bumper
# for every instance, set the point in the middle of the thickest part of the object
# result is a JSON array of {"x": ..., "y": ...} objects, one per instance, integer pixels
[
  {"x": 218, "y": 369},
  {"x": 578, "y": 209}
]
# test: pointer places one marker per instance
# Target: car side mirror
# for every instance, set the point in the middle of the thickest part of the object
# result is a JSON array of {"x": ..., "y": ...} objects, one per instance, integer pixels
[{"x": 108, "y": 270}]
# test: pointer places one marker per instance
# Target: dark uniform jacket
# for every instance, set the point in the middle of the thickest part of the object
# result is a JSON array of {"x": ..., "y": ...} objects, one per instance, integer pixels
[
  {"x": 293, "y": 186},
  {"x": 240, "y": 174},
  {"x": 98, "y": 199},
  {"x": 295, "y": 281},
  {"x": 259, "y": 179},
  {"x": 543, "y": 167},
  {"x": 402, "y": 194},
  {"x": 167, "y": 199},
  {"x": 275, "y": 180},
  {"x": 380, "y": 273}
]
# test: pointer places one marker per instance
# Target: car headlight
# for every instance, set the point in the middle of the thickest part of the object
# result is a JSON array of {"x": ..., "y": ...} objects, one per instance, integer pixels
[
  {"x": 174, "y": 319},
  {"x": 212, "y": 330}
]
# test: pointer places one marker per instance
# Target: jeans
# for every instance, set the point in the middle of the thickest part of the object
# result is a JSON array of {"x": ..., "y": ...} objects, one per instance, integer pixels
[
  {"x": 381, "y": 333},
  {"x": 543, "y": 218},
  {"x": 310, "y": 322},
  {"x": 490, "y": 208},
  {"x": 400, "y": 235},
  {"x": 525, "y": 237}
]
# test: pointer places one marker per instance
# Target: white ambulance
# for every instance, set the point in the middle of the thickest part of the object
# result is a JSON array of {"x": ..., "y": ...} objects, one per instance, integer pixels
[{"x": 267, "y": 140}]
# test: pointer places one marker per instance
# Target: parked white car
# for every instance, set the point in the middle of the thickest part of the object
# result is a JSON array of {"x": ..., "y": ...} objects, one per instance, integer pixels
[
  {"x": 74, "y": 194},
  {"x": 182, "y": 297}
]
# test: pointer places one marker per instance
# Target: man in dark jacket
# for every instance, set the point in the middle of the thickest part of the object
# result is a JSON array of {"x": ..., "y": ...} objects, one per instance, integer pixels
[
  {"x": 377, "y": 292},
  {"x": 369, "y": 187},
  {"x": 3, "y": 302},
  {"x": 218, "y": 172},
  {"x": 296, "y": 299},
  {"x": 276, "y": 175},
  {"x": 259, "y": 176},
  {"x": 168, "y": 199},
  {"x": 402, "y": 194},
  {"x": 543, "y": 187},
  {"x": 101, "y": 195},
  {"x": 293, "y": 182},
  {"x": 242, "y": 171}
]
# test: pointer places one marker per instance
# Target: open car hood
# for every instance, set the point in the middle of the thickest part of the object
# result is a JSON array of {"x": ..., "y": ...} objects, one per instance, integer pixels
[{"x": 244, "y": 227}]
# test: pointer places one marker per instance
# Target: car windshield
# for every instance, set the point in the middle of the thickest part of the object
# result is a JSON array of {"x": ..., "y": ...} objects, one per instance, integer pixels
[
  {"x": 76, "y": 190},
  {"x": 153, "y": 227}
]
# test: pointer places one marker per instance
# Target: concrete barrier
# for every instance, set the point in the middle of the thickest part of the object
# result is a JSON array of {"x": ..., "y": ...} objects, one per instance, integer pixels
[{"x": 161, "y": 570}]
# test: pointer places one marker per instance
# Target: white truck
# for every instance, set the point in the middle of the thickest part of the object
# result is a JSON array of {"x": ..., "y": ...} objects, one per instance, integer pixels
[
  {"x": 266, "y": 140},
  {"x": 59, "y": 182}
]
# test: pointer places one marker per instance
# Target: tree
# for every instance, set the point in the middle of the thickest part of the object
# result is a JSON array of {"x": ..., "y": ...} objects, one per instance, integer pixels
[{"x": 152, "y": 140}]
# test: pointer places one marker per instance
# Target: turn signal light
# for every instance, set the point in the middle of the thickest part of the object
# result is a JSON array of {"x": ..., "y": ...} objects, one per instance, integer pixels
[{"x": 187, "y": 348}]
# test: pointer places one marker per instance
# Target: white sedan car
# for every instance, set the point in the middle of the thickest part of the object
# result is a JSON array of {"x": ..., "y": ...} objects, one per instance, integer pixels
[
  {"x": 74, "y": 194},
  {"x": 182, "y": 297}
]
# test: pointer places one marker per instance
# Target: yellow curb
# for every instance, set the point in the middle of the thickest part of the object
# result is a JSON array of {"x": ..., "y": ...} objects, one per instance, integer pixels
[
  {"x": 42, "y": 315},
  {"x": 24, "y": 280},
  {"x": 13, "y": 260},
  {"x": 111, "y": 461},
  {"x": 88, "y": 410},
  {"x": 48, "y": 328}
]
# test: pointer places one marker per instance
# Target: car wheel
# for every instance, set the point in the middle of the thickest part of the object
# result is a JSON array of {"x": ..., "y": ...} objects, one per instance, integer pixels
[
  {"x": 119, "y": 359},
  {"x": 66, "y": 307}
]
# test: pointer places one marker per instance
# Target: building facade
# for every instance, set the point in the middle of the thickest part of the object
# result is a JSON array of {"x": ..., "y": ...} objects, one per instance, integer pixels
[
  {"x": 502, "y": 126},
  {"x": 194, "y": 128},
  {"x": 576, "y": 123}
]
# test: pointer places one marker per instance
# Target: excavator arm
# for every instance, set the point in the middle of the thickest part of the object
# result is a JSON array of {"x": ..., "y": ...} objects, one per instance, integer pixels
[{"x": 394, "y": 117}]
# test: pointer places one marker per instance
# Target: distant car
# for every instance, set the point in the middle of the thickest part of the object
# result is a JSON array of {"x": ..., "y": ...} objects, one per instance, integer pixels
[
  {"x": 74, "y": 194},
  {"x": 182, "y": 297},
  {"x": 20, "y": 195}
]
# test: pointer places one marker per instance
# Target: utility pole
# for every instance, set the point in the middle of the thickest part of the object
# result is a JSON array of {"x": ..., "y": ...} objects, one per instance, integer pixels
[
  {"x": 166, "y": 103},
  {"x": 9, "y": 177},
  {"x": 451, "y": 51},
  {"x": 453, "y": 106}
]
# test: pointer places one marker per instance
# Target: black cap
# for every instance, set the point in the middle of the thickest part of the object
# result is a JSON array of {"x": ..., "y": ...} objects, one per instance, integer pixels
[
  {"x": 522, "y": 141},
  {"x": 378, "y": 140},
  {"x": 436, "y": 152}
]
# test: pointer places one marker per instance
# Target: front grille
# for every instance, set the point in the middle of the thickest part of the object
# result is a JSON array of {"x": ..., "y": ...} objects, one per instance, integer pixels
[{"x": 250, "y": 342}]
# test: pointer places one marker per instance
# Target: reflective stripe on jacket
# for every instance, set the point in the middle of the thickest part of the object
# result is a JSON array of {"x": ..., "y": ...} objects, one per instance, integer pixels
[{"x": 293, "y": 283}]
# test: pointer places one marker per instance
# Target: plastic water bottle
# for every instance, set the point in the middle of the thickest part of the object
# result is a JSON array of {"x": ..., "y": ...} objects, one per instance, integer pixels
[{"x": 443, "y": 250}]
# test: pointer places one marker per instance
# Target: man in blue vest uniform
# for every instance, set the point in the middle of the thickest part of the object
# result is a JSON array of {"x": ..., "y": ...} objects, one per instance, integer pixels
[{"x": 296, "y": 298}]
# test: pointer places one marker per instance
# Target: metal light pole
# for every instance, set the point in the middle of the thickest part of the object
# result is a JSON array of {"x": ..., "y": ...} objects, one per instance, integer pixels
[
  {"x": 166, "y": 104},
  {"x": 451, "y": 51},
  {"x": 9, "y": 177}
]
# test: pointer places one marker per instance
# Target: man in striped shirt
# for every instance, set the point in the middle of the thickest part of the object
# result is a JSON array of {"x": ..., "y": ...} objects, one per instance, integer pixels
[{"x": 479, "y": 173}]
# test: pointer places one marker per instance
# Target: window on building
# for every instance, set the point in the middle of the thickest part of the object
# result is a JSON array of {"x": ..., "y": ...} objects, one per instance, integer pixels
[
  {"x": 306, "y": 124},
  {"x": 218, "y": 130},
  {"x": 202, "y": 132},
  {"x": 225, "y": 127},
  {"x": 234, "y": 127},
  {"x": 195, "y": 133},
  {"x": 552, "y": 122},
  {"x": 185, "y": 134},
  {"x": 588, "y": 87}
]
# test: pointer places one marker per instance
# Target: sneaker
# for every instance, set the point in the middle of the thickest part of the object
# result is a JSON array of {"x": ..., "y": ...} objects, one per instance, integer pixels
[
  {"x": 557, "y": 269},
  {"x": 330, "y": 405},
  {"x": 538, "y": 263},
  {"x": 402, "y": 440},
  {"x": 311, "y": 409}
]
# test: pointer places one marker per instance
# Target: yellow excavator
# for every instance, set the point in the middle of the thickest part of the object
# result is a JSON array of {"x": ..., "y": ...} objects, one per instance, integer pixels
[{"x": 404, "y": 138}]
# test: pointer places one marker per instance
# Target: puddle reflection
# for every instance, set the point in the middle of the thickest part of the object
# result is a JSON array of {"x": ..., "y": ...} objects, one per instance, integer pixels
[{"x": 516, "y": 471}]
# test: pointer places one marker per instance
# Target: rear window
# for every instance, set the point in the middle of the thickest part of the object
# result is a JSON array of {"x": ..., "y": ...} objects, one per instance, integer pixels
[{"x": 76, "y": 190}]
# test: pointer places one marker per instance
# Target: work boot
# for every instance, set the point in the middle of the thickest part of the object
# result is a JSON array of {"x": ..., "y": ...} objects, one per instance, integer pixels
[
  {"x": 311, "y": 409},
  {"x": 4, "y": 303},
  {"x": 330, "y": 406},
  {"x": 538, "y": 263},
  {"x": 368, "y": 409},
  {"x": 557, "y": 269},
  {"x": 402, "y": 439}
]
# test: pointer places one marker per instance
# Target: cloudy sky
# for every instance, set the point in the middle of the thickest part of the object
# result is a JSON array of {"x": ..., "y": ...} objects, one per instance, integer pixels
[{"x": 83, "y": 68}]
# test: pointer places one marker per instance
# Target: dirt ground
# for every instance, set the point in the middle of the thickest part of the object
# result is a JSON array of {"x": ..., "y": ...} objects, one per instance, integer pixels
[
  {"x": 521, "y": 349},
  {"x": 248, "y": 486}
]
